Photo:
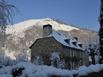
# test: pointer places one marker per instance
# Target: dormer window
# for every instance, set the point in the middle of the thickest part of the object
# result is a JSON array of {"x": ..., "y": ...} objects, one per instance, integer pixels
[
  {"x": 67, "y": 41},
  {"x": 76, "y": 38},
  {"x": 74, "y": 43},
  {"x": 80, "y": 45}
]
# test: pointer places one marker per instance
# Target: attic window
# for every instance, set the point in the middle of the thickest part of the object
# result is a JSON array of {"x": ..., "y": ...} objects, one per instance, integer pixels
[
  {"x": 80, "y": 45},
  {"x": 74, "y": 43},
  {"x": 67, "y": 41}
]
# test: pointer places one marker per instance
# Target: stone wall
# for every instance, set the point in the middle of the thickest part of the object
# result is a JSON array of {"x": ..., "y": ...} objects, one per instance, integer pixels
[{"x": 45, "y": 46}]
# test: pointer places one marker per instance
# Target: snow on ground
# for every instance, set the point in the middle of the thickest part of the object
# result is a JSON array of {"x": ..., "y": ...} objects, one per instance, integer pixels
[
  {"x": 32, "y": 70},
  {"x": 22, "y": 26},
  {"x": 5, "y": 75},
  {"x": 83, "y": 70}
]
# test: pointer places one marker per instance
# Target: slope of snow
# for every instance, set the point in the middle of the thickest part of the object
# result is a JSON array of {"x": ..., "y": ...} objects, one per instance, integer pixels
[
  {"x": 31, "y": 70},
  {"x": 22, "y": 26},
  {"x": 83, "y": 70},
  {"x": 5, "y": 75},
  {"x": 19, "y": 27},
  {"x": 10, "y": 54}
]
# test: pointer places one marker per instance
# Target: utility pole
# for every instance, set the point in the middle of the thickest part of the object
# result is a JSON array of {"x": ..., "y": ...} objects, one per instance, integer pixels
[{"x": 101, "y": 32}]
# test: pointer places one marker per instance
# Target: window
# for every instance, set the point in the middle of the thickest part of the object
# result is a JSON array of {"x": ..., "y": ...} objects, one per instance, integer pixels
[
  {"x": 67, "y": 41},
  {"x": 80, "y": 45},
  {"x": 74, "y": 43}
]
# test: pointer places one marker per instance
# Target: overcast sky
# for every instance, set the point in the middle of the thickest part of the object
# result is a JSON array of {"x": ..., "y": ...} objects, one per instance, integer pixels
[{"x": 82, "y": 13}]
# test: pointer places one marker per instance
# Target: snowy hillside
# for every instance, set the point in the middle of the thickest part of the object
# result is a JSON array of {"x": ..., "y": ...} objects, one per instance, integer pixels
[{"x": 20, "y": 27}]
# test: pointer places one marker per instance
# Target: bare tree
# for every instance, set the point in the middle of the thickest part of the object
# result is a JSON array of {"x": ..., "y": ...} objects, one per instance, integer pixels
[{"x": 6, "y": 13}]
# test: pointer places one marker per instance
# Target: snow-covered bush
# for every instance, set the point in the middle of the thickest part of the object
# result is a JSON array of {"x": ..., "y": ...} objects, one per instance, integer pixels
[
  {"x": 26, "y": 69},
  {"x": 55, "y": 59},
  {"x": 94, "y": 54},
  {"x": 18, "y": 71}
]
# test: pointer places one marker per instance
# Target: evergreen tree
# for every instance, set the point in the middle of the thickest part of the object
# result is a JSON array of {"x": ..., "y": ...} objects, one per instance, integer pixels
[{"x": 6, "y": 16}]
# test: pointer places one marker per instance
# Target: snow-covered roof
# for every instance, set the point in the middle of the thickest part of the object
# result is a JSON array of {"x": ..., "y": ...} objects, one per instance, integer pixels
[{"x": 62, "y": 39}]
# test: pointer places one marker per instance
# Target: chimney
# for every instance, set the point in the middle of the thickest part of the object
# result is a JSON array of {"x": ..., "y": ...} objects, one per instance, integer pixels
[{"x": 47, "y": 30}]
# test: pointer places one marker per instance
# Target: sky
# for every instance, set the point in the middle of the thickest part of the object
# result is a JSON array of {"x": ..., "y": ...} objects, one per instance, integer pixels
[{"x": 81, "y": 13}]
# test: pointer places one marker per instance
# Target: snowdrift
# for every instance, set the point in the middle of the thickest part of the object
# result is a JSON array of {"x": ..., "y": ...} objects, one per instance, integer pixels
[{"x": 26, "y": 69}]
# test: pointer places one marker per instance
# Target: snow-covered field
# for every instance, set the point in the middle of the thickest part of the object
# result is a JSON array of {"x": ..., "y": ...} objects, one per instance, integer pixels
[{"x": 26, "y": 69}]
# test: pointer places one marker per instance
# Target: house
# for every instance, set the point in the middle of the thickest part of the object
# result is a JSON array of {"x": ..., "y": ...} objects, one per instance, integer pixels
[{"x": 57, "y": 50}]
